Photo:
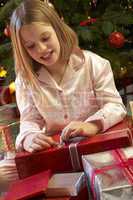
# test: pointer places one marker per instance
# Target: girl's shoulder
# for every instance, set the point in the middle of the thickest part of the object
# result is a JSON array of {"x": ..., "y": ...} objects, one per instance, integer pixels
[
  {"x": 95, "y": 63},
  {"x": 93, "y": 57},
  {"x": 19, "y": 81},
  {"x": 81, "y": 57}
]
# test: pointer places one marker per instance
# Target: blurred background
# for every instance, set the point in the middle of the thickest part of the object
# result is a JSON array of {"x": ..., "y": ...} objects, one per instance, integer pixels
[{"x": 103, "y": 26}]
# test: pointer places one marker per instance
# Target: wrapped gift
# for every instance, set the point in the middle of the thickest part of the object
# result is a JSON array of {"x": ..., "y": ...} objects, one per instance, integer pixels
[
  {"x": 9, "y": 128},
  {"x": 82, "y": 195},
  {"x": 6, "y": 142},
  {"x": 65, "y": 184},
  {"x": 5, "y": 181},
  {"x": 67, "y": 158},
  {"x": 9, "y": 112},
  {"x": 29, "y": 187},
  {"x": 45, "y": 185},
  {"x": 8, "y": 133},
  {"x": 110, "y": 174}
]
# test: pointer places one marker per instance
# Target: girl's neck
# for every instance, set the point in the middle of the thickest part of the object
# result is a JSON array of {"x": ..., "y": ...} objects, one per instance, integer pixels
[
  {"x": 57, "y": 69},
  {"x": 58, "y": 72}
]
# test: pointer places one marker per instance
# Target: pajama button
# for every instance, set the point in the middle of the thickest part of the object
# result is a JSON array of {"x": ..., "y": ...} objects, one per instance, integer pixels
[{"x": 65, "y": 116}]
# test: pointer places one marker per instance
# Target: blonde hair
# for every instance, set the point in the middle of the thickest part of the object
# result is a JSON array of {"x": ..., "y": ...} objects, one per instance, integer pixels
[{"x": 39, "y": 11}]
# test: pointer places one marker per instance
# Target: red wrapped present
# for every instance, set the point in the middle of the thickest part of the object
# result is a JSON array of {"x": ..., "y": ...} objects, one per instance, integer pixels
[
  {"x": 110, "y": 174},
  {"x": 67, "y": 158},
  {"x": 29, "y": 187},
  {"x": 44, "y": 186},
  {"x": 82, "y": 195}
]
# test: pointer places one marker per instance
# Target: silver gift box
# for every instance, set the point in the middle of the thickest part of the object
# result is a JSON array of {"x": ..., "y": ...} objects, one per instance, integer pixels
[
  {"x": 105, "y": 182},
  {"x": 65, "y": 184}
]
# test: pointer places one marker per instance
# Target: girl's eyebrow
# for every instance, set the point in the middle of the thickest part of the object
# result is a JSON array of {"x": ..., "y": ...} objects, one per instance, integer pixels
[
  {"x": 42, "y": 34},
  {"x": 27, "y": 42}
]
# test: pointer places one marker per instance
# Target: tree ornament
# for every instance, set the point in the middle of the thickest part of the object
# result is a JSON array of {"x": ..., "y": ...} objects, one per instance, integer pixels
[
  {"x": 7, "y": 31},
  {"x": 123, "y": 72},
  {"x": 3, "y": 72},
  {"x": 94, "y": 2},
  {"x": 116, "y": 39},
  {"x": 88, "y": 21},
  {"x": 12, "y": 87}
]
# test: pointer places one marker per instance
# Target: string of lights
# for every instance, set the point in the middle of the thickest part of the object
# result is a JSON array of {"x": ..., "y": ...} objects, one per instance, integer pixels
[{"x": 3, "y": 2}]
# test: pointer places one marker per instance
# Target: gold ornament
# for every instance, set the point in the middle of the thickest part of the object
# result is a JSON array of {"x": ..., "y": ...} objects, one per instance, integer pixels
[
  {"x": 3, "y": 72},
  {"x": 12, "y": 87},
  {"x": 123, "y": 72}
]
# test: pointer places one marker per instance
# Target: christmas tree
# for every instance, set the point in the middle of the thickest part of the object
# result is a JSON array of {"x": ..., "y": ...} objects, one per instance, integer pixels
[
  {"x": 7, "y": 74},
  {"x": 103, "y": 26},
  {"x": 6, "y": 57}
]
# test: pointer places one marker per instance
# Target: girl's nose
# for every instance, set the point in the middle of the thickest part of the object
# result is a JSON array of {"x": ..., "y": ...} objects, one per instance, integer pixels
[{"x": 41, "y": 48}]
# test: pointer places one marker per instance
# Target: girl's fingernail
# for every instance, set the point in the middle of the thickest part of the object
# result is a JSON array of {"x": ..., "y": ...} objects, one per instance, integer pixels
[
  {"x": 55, "y": 144},
  {"x": 31, "y": 150}
]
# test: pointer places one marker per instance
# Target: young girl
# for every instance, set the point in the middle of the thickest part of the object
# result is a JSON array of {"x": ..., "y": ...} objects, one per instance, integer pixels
[{"x": 59, "y": 87}]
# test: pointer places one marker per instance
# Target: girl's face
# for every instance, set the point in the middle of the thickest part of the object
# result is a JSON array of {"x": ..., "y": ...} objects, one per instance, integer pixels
[{"x": 41, "y": 43}]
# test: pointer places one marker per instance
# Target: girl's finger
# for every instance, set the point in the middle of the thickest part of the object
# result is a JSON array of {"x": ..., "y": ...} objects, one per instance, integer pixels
[
  {"x": 8, "y": 174},
  {"x": 6, "y": 171},
  {"x": 34, "y": 147},
  {"x": 66, "y": 133},
  {"x": 11, "y": 177},
  {"x": 40, "y": 146},
  {"x": 42, "y": 143},
  {"x": 47, "y": 139},
  {"x": 30, "y": 149},
  {"x": 78, "y": 132},
  {"x": 7, "y": 167}
]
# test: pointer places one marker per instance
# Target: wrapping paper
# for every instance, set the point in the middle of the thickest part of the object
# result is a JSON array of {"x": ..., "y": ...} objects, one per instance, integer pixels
[
  {"x": 82, "y": 195},
  {"x": 67, "y": 158},
  {"x": 47, "y": 186},
  {"x": 65, "y": 184},
  {"x": 6, "y": 139},
  {"x": 110, "y": 174},
  {"x": 29, "y": 187},
  {"x": 8, "y": 133}
]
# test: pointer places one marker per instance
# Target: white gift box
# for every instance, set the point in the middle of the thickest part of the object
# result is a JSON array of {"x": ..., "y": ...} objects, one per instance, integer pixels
[
  {"x": 110, "y": 174},
  {"x": 65, "y": 184}
]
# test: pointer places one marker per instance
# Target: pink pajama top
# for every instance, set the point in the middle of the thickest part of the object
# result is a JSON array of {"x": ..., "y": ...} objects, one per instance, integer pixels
[{"x": 87, "y": 93}]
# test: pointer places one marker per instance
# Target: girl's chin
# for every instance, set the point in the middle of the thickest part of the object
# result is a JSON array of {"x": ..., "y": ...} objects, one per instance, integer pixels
[{"x": 51, "y": 64}]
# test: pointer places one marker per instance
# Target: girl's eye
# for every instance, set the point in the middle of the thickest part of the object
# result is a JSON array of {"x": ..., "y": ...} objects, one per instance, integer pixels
[
  {"x": 45, "y": 38},
  {"x": 30, "y": 46}
]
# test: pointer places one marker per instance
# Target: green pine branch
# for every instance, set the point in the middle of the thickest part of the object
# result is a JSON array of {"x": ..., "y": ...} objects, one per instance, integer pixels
[{"x": 6, "y": 11}]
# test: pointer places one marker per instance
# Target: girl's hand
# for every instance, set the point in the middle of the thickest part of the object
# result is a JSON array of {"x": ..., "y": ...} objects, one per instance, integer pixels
[
  {"x": 38, "y": 141},
  {"x": 78, "y": 128},
  {"x": 8, "y": 171}
]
